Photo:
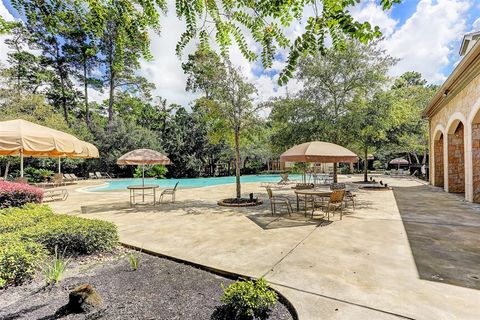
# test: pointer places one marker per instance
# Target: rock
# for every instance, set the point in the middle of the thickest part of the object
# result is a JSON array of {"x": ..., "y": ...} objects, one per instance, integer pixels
[{"x": 83, "y": 298}]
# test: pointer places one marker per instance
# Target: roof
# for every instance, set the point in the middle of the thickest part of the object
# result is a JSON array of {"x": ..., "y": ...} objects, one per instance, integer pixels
[
  {"x": 467, "y": 38},
  {"x": 462, "y": 75}
]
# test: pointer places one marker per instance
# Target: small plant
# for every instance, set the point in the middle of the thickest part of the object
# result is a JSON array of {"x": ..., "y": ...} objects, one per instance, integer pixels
[
  {"x": 248, "y": 299},
  {"x": 134, "y": 259},
  {"x": 54, "y": 270}
]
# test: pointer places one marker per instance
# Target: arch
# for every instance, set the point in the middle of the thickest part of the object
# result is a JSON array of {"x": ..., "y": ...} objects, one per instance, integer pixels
[
  {"x": 456, "y": 153},
  {"x": 473, "y": 153},
  {"x": 439, "y": 130}
]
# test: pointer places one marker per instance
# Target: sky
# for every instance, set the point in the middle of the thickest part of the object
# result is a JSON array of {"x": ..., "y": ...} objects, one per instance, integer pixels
[{"x": 424, "y": 34}]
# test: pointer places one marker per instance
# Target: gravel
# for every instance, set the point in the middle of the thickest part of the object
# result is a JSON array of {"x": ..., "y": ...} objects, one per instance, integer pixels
[{"x": 159, "y": 289}]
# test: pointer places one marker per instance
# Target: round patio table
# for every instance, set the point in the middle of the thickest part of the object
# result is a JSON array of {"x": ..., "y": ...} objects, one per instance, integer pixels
[
  {"x": 139, "y": 190},
  {"x": 310, "y": 193}
]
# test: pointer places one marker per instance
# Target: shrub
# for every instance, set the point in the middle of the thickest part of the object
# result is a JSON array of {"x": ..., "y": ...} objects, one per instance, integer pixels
[
  {"x": 18, "y": 259},
  {"x": 156, "y": 171},
  {"x": 14, "y": 219},
  {"x": 18, "y": 194},
  {"x": 37, "y": 175},
  {"x": 249, "y": 299},
  {"x": 73, "y": 234},
  {"x": 134, "y": 260}
]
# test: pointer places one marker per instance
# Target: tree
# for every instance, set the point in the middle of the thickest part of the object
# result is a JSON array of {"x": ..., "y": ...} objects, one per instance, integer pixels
[
  {"x": 230, "y": 102},
  {"x": 267, "y": 20}
]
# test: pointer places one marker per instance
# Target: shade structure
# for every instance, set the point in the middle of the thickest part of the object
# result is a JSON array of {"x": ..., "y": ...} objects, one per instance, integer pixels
[
  {"x": 24, "y": 138},
  {"x": 318, "y": 151},
  {"x": 143, "y": 157},
  {"x": 399, "y": 161}
]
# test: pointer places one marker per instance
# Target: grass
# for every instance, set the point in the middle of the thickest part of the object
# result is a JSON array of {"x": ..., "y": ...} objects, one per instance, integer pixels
[{"x": 55, "y": 269}]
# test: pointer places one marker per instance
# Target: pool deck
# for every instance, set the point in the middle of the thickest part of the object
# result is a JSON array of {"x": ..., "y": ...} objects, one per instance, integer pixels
[{"x": 357, "y": 268}]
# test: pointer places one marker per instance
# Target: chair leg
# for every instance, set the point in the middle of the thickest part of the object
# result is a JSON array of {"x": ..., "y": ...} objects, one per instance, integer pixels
[{"x": 271, "y": 207}]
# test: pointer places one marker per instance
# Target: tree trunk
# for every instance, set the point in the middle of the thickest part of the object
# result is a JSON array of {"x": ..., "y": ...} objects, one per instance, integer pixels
[
  {"x": 335, "y": 169},
  {"x": 237, "y": 162},
  {"x": 111, "y": 86},
  {"x": 416, "y": 157},
  {"x": 365, "y": 169},
  {"x": 85, "y": 88},
  {"x": 7, "y": 166}
]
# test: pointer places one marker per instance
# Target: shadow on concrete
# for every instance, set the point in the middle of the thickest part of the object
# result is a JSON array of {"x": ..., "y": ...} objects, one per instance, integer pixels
[
  {"x": 443, "y": 231},
  {"x": 269, "y": 222}
]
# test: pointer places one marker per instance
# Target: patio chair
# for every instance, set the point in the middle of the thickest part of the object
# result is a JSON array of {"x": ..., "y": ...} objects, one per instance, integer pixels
[
  {"x": 284, "y": 178},
  {"x": 274, "y": 200},
  {"x": 169, "y": 192},
  {"x": 58, "y": 180},
  {"x": 348, "y": 194},
  {"x": 335, "y": 201}
]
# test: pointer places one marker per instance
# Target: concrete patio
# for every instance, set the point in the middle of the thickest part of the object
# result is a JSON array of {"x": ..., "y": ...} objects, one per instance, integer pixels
[{"x": 360, "y": 267}]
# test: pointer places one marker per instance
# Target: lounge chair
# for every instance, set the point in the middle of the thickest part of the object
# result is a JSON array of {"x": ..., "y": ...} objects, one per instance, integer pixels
[
  {"x": 92, "y": 175},
  {"x": 73, "y": 176},
  {"x": 102, "y": 175},
  {"x": 335, "y": 201},
  {"x": 274, "y": 200},
  {"x": 169, "y": 192},
  {"x": 55, "y": 194},
  {"x": 284, "y": 179},
  {"x": 67, "y": 178}
]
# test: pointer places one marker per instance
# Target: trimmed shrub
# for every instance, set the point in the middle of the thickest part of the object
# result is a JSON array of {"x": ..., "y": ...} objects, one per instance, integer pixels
[
  {"x": 17, "y": 194},
  {"x": 14, "y": 219},
  {"x": 248, "y": 299},
  {"x": 71, "y": 234},
  {"x": 18, "y": 259}
]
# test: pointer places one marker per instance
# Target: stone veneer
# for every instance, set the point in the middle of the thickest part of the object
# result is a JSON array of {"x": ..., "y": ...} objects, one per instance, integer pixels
[
  {"x": 476, "y": 161},
  {"x": 456, "y": 161},
  {"x": 438, "y": 150}
]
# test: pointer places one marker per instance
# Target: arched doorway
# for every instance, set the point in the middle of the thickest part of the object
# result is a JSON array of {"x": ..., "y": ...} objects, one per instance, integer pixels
[
  {"x": 476, "y": 157},
  {"x": 438, "y": 159},
  {"x": 456, "y": 158}
]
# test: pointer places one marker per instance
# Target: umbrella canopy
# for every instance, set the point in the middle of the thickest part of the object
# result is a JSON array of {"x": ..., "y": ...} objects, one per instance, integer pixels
[
  {"x": 318, "y": 151},
  {"x": 399, "y": 161},
  {"x": 143, "y": 156},
  {"x": 24, "y": 138}
]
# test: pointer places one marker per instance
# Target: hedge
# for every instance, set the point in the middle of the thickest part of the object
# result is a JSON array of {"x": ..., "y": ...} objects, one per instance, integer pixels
[
  {"x": 18, "y": 194},
  {"x": 14, "y": 219},
  {"x": 75, "y": 235},
  {"x": 29, "y": 232},
  {"x": 18, "y": 259}
]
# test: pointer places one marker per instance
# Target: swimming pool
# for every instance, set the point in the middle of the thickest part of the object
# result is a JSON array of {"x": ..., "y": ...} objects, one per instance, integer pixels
[{"x": 121, "y": 184}]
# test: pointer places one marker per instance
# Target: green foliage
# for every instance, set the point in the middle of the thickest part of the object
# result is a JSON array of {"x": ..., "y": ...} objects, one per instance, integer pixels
[
  {"x": 53, "y": 270},
  {"x": 266, "y": 22},
  {"x": 18, "y": 259},
  {"x": 156, "y": 171},
  {"x": 72, "y": 234},
  {"x": 37, "y": 175},
  {"x": 249, "y": 299},
  {"x": 15, "y": 219},
  {"x": 134, "y": 258}
]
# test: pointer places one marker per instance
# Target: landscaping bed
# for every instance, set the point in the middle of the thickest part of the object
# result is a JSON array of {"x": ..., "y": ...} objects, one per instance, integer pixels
[{"x": 159, "y": 289}]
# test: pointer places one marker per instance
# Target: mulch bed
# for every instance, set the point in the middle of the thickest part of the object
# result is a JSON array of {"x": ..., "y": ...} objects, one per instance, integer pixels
[{"x": 159, "y": 289}]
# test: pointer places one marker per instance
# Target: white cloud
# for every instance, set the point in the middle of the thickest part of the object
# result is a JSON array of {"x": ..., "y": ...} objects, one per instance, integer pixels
[
  {"x": 370, "y": 12},
  {"x": 3, "y": 47},
  {"x": 428, "y": 40}
]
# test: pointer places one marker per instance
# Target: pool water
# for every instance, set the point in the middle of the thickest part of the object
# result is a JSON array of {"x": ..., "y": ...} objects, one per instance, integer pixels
[{"x": 121, "y": 184}]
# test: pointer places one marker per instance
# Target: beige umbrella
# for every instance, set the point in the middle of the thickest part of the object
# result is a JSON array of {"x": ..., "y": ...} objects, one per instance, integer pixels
[
  {"x": 318, "y": 151},
  {"x": 398, "y": 162},
  {"x": 143, "y": 157},
  {"x": 24, "y": 138}
]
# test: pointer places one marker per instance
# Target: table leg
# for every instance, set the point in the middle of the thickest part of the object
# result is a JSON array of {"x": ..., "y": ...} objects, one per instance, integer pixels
[
  {"x": 298, "y": 204},
  {"x": 305, "y": 205}
]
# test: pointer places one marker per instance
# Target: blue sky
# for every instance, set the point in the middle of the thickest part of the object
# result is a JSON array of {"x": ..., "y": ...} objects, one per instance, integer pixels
[{"x": 424, "y": 34}]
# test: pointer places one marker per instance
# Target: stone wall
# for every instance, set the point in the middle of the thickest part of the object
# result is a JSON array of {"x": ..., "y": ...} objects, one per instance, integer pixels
[
  {"x": 438, "y": 150},
  {"x": 476, "y": 161},
  {"x": 456, "y": 161}
]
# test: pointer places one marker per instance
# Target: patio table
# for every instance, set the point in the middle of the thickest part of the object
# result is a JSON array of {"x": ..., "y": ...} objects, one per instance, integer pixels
[
  {"x": 310, "y": 193},
  {"x": 134, "y": 192}
]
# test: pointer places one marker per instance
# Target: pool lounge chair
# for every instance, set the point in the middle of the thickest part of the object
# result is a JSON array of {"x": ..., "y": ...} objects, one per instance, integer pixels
[
  {"x": 55, "y": 194},
  {"x": 284, "y": 179},
  {"x": 167, "y": 192},
  {"x": 92, "y": 175},
  {"x": 274, "y": 200},
  {"x": 102, "y": 175}
]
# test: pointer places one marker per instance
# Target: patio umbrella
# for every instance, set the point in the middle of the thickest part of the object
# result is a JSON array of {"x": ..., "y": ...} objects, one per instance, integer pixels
[
  {"x": 398, "y": 162},
  {"x": 24, "y": 138},
  {"x": 143, "y": 157},
  {"x": 319, "y": 151}
]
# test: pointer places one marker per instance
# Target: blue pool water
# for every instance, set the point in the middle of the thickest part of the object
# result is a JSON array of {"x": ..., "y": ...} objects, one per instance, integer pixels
[{"x": 121, "y": 184}]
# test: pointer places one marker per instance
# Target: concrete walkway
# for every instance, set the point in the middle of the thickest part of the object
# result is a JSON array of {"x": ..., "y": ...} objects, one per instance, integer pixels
[
  {"x": 358, "y": 268},
  {"x": 444, "y": 234}
]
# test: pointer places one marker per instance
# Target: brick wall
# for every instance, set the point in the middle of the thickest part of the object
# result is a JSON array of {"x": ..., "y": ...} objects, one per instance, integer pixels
[
  {"x": 438, "y": 149},
  {"x": 476, "y": 161},
  {"x": 456, "y": 161}
]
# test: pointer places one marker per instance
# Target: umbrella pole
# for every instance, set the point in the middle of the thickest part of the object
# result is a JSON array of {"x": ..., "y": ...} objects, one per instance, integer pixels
[
  {"x": 143, "y": 182},
  {"x": 59, "y": 165},
  {"x": 21, "y": 163}
]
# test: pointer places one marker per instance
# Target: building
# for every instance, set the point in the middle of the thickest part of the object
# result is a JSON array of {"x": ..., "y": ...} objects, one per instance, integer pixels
[{"x": 454, "y": 120}]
